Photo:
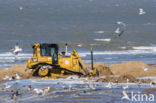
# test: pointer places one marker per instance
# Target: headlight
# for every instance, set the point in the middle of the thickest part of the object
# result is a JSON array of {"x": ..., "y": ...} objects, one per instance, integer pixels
[
  {"x": 66, "y": 62},
  {"x": 34, "y": 59}
]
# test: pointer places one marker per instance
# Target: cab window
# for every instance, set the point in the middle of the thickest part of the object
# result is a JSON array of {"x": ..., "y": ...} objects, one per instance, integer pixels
[{"x": 43, "y": 52}]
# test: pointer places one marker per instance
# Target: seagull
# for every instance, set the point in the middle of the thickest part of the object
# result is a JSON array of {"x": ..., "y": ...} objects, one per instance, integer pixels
[
  {"x": 63, "y": 86},
  {"x": 120, "y": 23},
  {"x": 145, "y": 68},
  {"x": 109, "y": 85},
  {"x": 46, "y": 90},
  {"x": 92, "y": 86},
  {"x": 70, "y": 87},
  {"x": 29, "y": 87},
  {"x": 16, "y": 49},
  {"x": 141, "y": 11},
  {"x": 125, "y": 87},
  {"x": 127, "y": 81},
  {"x": 7, "y": 86},
  {"x": 20, "y": 8},
  {"x": 118, "y": 32},
  {"x": 7, "y": 78},
  {"x": 120, "y": 29},
  {"x": 42, "y": 91},
  {"x": 15, "y": 94},
  {"x": 125, "y": 95},
  {"x": 152, "y": 84},
  {"x": 38, "y": 91},
  {"x": 17, "y": 76}
]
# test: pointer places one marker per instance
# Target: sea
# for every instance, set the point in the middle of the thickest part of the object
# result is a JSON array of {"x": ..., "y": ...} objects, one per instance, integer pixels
[{"x": 83, "y": 24}]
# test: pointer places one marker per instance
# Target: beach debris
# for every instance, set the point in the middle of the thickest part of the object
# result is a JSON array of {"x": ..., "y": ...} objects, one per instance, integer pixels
[
  {"x": 141, "y": 11},
  {"x": 120, "y": 28}
]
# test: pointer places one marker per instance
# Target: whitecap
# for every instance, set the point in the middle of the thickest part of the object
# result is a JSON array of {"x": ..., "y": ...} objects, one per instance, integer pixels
[
  {"x": 145, "y": 48},
  {"x": 99, "y": 32},
  {"x": 106, "y": 40}
]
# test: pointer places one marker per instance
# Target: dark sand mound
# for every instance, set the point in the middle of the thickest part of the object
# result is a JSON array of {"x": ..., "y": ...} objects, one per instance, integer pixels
[
  {"x": 134, "y": 68},
  {"x": 120, "y": 79},
  {"x": 102, "y": 69},
  {"x": 16, "y": 69},
  {"x": 123, "y": 79}
]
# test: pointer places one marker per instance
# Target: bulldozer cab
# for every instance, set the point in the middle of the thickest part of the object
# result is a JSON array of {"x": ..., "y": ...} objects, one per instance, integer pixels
[
  {"x": 50, "y": 50},
  {"x": 47, "y": 50}
]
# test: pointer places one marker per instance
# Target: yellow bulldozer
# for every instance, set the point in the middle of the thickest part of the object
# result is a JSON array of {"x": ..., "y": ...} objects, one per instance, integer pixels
[{"x": 48, "y": 62}]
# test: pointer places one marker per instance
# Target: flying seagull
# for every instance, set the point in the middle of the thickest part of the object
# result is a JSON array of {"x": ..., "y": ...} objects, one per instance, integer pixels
[
  {"x": 141, "y": 11},
  {"x": 120, "y": 28},
  {"x": 16, "y": 49}
]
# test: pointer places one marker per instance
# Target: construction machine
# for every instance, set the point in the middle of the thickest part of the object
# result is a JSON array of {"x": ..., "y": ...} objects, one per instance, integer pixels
[{"x": 48, "y": 62}]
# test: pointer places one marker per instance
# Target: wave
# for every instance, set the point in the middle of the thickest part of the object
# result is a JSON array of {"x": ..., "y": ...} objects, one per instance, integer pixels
[
  {"x": 121, "y": 52},
  {"x": 107, "y": 39},
  {"x": 153, "y": 48},
  {"x": 8, "y": 59},
  {"x": 99, "y": 32}
]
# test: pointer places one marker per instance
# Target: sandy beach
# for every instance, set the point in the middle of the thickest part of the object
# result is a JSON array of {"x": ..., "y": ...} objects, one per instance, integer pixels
[{"x": 107, "y": 73}]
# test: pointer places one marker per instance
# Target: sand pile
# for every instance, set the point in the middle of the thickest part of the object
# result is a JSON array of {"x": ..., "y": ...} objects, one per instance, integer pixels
[
  {"x": 102, "y": 69},
  {"x": 14, "y": 71},
  {"x": 134, "y": 68}
]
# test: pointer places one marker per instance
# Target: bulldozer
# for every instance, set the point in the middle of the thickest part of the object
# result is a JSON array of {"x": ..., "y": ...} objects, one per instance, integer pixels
[{"x": 48, "y": 62}]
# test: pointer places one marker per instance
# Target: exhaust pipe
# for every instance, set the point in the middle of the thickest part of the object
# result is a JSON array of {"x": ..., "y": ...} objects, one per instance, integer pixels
[
  {"x": 92, "y": 64},
  {"x": 66, "y": 48}
]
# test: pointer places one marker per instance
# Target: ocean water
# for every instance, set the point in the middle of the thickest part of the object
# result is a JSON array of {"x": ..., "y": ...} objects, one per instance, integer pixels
[
  {"x": 75, "y": 90},
  {"x": 82, "y": 24}
]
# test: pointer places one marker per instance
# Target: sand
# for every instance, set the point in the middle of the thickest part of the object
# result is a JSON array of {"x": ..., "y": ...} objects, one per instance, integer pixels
[
  {"x": 126, "y": 70},
  {"x": 134, "y": 68},
  {"x": 12, "y": 71}
]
